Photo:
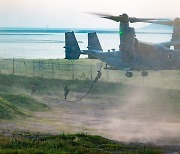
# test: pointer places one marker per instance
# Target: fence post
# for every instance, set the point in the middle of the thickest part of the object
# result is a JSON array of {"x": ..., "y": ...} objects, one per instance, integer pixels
[
  {"x": 91, "y": 74},
  {"x": 13, "y": 65},
  {"x": 73, "y": 71},
  {"x": 52, "y": 68},
  {"x": 107, "y": 75},
  {"x": 33, "y": 67}
]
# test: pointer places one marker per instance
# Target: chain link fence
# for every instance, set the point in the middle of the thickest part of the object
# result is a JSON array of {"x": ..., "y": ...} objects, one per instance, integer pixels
[
  {"x": 56, "y": 69},
  {"x": 84, "y": 70}
]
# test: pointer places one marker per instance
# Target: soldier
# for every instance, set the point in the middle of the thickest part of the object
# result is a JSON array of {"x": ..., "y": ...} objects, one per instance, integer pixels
[
  {"x": 66, "y": 91},
  {"x": 98, "y": 76},
  {"x": 33, "y": 90}
]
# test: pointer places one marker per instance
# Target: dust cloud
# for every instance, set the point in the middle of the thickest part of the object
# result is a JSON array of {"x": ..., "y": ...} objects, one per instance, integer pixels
[
  {"x": 131, "y": 113},
  {"x": 138, "y": 114},
  {"x": 142, "y": 116}
]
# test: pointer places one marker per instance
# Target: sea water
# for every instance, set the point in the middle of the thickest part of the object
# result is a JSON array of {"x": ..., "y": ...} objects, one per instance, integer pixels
[{"x": 49, "y": 44}]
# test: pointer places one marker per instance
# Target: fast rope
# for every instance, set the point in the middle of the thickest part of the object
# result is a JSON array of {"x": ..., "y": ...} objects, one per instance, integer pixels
[{"x": 98, "y": 76}]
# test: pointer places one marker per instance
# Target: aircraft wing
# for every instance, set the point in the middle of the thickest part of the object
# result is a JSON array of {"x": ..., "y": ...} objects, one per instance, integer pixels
[
  {"x": 170, "y": 43},
  {"x": 92, "y": 52}
]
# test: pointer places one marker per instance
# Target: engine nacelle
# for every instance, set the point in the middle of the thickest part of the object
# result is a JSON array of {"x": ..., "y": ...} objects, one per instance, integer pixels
[
  {"x": 176, "y": 33},
  {"x": 136, "y": 44},
  {"x": 127, "y": 43}
]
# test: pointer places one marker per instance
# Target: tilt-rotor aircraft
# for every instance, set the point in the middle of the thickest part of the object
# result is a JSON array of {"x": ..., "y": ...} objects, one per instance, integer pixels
[{"x": 133, "y": 54}]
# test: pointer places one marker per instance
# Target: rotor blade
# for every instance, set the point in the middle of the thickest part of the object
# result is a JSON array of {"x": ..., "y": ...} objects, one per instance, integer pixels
[
  {"x": 132, "y": 19},
  {"x": 168, "y": 22},
  {"x": 125, "y": 18},
  {"x": 120, "y": 18},
  {"x": 175, "y": 22},
  {"x": 107, "y": 16}
]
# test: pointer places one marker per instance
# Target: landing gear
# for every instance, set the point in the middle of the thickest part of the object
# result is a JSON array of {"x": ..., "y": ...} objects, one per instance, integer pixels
[
  {"x": 144, "y": 73},
  {"x": 129, "y": 74}
]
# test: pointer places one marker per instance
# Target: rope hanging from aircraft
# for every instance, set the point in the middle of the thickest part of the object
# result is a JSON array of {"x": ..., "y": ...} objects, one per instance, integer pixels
[{"x": 98, "y": 76}]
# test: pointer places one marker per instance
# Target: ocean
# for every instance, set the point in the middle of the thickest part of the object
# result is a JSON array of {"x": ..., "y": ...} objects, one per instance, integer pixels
[{"x": 46, "y": 43}]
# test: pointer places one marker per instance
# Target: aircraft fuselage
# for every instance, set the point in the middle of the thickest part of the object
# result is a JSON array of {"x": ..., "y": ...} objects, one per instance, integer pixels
[{"x": 146, "y": 56}]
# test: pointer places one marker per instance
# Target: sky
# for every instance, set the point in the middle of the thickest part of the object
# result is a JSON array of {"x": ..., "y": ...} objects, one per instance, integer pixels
[{"x": 73, "y": 13}]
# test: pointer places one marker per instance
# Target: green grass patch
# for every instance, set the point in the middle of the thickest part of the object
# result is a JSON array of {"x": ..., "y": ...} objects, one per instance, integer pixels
[
  {"x": 21, "y": 84},
  {"x": 9, "y": 110},
  {"x": 78, "y": 143},
  {"x": 13, "y": 106},
  {"x": 24, "y": 101},
  {"x": 107, "y": 91}
]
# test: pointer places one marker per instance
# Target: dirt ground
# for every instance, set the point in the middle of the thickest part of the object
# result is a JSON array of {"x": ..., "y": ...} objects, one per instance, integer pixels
[{"x": 133, "y": 119}]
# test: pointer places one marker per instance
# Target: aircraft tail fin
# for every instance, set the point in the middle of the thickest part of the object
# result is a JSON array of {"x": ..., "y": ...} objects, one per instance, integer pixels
[
  {"x": 72, "y": 49},
  {"x": 93, "y": 44}
]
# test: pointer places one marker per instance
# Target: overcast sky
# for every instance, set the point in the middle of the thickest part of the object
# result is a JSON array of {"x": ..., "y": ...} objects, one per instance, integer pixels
[{"x": 71, "y": 13}]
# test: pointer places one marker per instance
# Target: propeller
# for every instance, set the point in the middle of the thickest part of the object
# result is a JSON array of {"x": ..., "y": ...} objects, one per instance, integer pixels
[
  {"x": 125, "y": 19},
  {"x": 175, "y": 22}
]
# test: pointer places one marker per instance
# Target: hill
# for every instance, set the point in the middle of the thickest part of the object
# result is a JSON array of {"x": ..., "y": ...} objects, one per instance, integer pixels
[
  {"x": 14, "y": 106},
  {"x": 156, "y": 28}
]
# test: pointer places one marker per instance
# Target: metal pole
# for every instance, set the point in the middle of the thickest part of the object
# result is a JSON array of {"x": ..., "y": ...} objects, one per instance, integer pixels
[
  {"x": 13, "y": 65},
  {"x": 91, "y": 74}
]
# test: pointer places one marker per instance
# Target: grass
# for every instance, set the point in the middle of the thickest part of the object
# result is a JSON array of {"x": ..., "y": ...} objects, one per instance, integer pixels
[
  {"x": 86, "y": 69},
  {"x": 13, "y": 84},
  {"x": 77, "y": 143},
  {"x": 22, "y": 84},
  {"x": 8, "y": 110},
  {"x": 59, "y": 69},
  {"x": 14, "y": 106},
  {"x": 15, "y": 101}
]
